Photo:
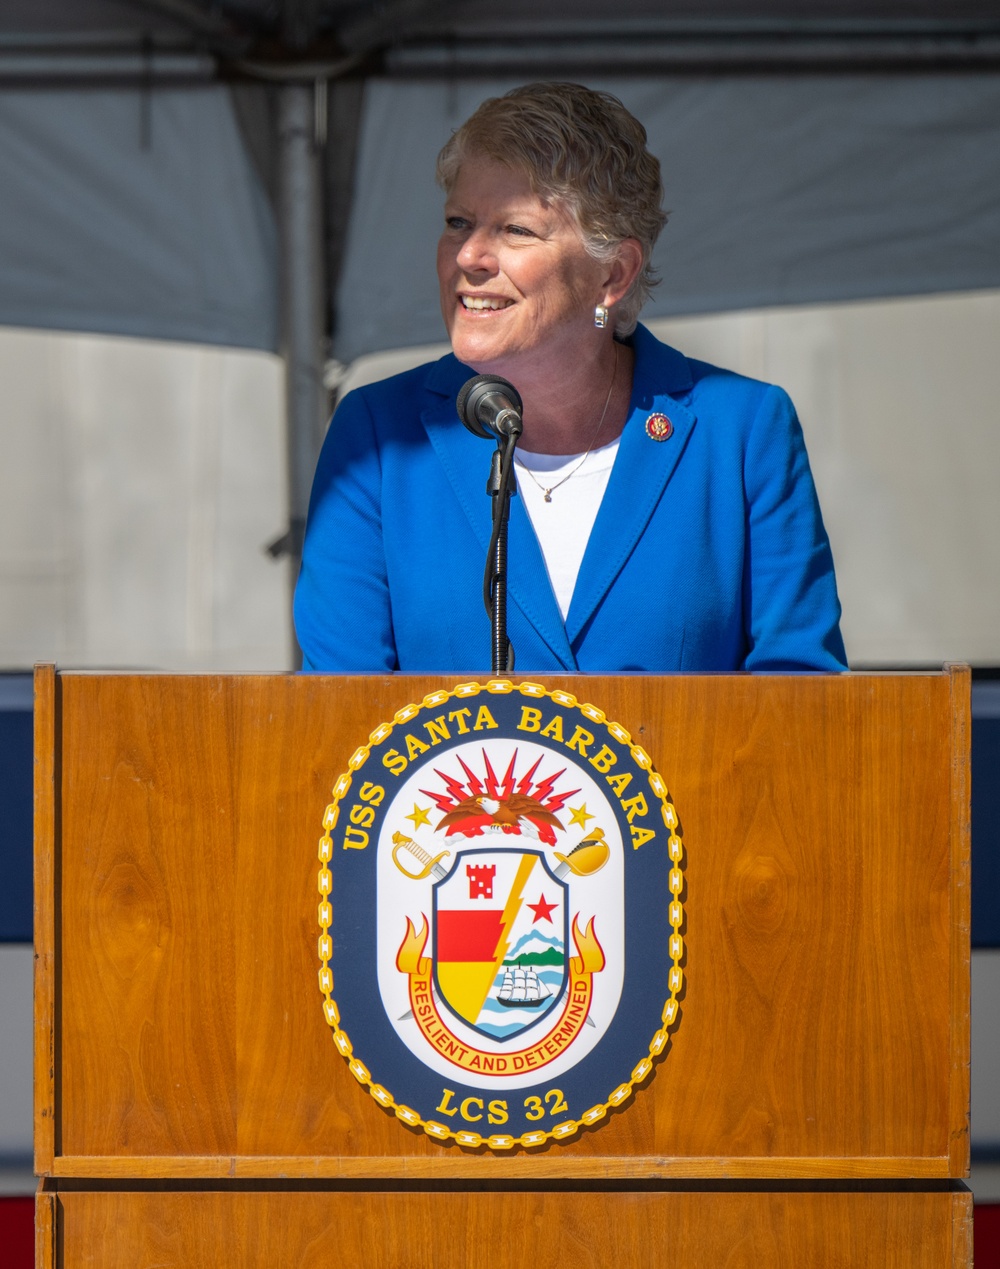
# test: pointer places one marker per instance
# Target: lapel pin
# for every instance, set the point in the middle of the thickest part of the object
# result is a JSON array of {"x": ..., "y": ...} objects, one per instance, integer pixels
[{"x": 659, "y": 427}]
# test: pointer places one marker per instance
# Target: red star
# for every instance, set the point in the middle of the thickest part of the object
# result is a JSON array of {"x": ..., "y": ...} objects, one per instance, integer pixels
[{"x": 542, "y": 909}]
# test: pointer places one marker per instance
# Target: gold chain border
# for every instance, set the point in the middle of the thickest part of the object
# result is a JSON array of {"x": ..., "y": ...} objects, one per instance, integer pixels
[{"x": 658, "y": 1044}]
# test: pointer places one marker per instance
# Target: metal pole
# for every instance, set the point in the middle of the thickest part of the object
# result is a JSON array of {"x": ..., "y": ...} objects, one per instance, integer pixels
[{"x": 303, "y": 295}]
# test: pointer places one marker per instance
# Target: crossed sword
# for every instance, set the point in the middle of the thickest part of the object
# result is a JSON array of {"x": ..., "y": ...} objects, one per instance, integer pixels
[{"x": 433, "y": 867}]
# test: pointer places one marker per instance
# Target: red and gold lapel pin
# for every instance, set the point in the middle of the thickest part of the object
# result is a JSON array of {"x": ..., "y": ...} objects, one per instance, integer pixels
[{"x": 659, "y": 427}]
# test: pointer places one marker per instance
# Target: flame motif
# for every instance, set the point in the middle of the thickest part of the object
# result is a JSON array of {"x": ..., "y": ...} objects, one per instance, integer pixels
[
  {"x": 410, "y": 958},
  {"x": 591, "y": 959}
]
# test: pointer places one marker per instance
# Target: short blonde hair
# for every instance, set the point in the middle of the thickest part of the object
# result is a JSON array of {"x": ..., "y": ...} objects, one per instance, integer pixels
[{"x": 583, "y": 149}]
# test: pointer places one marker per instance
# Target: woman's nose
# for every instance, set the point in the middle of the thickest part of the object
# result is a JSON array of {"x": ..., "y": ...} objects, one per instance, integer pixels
[{"x": 476, "y": 255}]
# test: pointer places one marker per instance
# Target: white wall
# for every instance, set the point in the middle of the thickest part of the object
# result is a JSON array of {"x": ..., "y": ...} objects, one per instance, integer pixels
[{"x": 139, "y": 482}]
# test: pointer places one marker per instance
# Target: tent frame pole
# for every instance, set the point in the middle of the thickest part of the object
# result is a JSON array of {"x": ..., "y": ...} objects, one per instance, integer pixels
[{"x": 302, "y": 289}]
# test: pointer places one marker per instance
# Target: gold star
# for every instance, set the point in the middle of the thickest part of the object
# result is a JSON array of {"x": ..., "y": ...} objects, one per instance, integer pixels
[
  {"x": 419, "y": 815},
  {"x": 580, "y": 815}
]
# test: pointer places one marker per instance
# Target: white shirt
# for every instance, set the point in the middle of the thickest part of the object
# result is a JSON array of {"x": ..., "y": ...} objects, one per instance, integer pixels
[{"x": 563, "y": 525}]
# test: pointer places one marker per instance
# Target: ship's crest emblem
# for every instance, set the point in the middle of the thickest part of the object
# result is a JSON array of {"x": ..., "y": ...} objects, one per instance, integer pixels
[{"x": 519, "y": 854}]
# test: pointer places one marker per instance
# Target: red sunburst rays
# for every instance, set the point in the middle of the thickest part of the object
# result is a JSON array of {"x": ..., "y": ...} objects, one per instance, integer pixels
[{"x": 500, "y": 790}]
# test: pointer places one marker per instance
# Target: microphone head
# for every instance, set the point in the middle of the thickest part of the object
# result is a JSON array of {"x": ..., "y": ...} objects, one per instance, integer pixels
[{"x": 482, "y": 403}]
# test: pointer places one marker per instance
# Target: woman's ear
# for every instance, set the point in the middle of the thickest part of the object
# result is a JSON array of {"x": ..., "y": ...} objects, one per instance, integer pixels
[{"x": 623, "y": 271}]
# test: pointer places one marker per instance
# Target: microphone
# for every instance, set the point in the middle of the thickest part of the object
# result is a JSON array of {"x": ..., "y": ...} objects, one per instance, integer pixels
[{"x": 491, "y": 408}]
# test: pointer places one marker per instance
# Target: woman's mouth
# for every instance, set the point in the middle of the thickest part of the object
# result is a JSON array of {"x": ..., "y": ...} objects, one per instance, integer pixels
[{"x": 477, "y": 303}]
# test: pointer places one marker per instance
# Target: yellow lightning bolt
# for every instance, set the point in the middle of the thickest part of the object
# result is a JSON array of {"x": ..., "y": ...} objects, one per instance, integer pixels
[
  {"x": 466, "y": 985},
  {"x": 512, "y": 908}
]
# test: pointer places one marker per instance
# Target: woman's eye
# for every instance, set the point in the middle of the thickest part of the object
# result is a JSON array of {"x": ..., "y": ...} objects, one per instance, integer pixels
[
  {"x": 520, "y": 231},
  {"x": 456, "y": 222}
]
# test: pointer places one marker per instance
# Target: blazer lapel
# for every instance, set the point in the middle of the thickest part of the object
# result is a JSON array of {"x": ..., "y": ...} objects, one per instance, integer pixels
[
  {"x": 465, "y": 460},
  {"x": 661, "y": 385}
]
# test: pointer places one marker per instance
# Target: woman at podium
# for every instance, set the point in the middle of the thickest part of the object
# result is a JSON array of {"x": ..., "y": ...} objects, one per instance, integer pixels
[{"x": 666, "y": 517}]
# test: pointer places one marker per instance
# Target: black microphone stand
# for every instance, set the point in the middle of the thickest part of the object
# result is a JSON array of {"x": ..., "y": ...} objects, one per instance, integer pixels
[
  {"x": 501, "y": 487},
  {"x": 490, "y": 407}
]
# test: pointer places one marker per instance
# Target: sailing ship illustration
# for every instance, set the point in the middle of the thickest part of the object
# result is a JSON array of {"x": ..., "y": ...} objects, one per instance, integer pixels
[{"x": 521, "y": 988}]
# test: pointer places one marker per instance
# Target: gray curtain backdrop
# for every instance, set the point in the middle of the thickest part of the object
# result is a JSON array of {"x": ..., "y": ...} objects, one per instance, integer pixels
[
  {"x": 144, "y": 214},
  {"x": 782, "y": 189},
  {"x": 134, "y": 214}
]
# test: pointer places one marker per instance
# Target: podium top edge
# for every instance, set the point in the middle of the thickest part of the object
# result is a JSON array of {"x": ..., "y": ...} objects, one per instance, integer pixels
[{"x": 945, "y": 670}]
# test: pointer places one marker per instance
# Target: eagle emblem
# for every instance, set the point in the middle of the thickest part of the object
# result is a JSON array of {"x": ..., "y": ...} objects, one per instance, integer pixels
[{"x": 474, "y": 807}]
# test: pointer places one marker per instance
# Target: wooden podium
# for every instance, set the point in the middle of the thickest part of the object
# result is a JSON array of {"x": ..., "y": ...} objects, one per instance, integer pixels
[{"x": 191, "y": 1109}]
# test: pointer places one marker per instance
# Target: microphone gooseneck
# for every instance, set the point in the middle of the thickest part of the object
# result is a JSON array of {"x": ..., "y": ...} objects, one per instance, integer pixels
[{"x": 490, "y": 407}]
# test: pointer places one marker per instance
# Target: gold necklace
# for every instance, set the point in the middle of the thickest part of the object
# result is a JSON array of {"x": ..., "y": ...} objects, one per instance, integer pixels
[{"x": 593, "y": 440}]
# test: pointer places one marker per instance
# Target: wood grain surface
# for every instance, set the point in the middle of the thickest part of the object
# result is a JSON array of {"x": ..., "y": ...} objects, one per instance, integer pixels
[
  {"x": 46, "y": 1205},
  {"x": 588, "y": 1230},
  {"x": 960, "y": 988},
  {"x": 459, "y": 1165},
  {"x": 46, "y": 933},
  {"x": 824, "y": 1029}
]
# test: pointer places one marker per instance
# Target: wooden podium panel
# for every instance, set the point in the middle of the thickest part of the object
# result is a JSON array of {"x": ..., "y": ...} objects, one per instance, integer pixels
[
  {"x": 506, "y": 1230},
  {"x": 179, "y": 1028}
]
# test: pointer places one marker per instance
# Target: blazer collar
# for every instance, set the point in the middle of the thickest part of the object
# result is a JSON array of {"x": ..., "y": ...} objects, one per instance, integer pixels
[{"x": 661, "y": 384}]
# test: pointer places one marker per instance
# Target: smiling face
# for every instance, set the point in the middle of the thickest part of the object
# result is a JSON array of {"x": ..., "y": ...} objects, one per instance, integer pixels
[{"x": 518, "y": 288}]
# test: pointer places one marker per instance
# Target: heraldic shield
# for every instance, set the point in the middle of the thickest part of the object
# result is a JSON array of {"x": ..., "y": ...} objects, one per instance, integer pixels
[
  {"x": 501, "y": 925},
  {"x": 518, "y": 851}
]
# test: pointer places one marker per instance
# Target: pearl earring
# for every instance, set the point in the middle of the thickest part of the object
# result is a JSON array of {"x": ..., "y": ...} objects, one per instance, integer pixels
[{"x": 600, "y": 317}]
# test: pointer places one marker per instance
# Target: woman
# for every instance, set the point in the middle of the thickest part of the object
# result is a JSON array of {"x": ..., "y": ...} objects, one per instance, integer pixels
[{"x": 667, "y": 519}]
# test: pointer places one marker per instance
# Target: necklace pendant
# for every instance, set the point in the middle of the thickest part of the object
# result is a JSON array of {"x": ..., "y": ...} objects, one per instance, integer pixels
[{"x": 548, "y": 495}]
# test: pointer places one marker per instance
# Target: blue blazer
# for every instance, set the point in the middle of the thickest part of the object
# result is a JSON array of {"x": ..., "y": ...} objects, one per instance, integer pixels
[{"x": 708, "y": 552}]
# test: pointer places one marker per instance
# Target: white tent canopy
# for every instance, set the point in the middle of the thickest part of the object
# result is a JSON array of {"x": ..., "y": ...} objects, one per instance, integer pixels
[
  {"x": 138, "y": 217},
  {"x": 825, "y": 152},
  {"x": 148, "y": 217},
  {"x": 783, "y": 189}
]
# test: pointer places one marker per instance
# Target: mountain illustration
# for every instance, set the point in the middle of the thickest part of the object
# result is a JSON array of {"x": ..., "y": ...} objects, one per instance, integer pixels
[
  {"x": 549, "y": 957},
  {"x": 535, "y": 948}
]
